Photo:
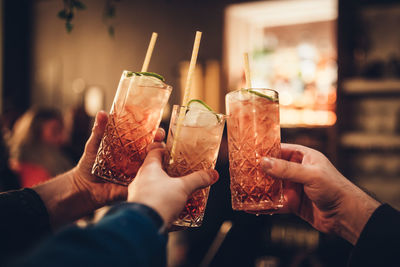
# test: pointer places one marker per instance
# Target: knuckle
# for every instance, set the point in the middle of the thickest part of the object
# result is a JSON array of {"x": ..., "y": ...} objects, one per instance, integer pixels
[
  {"x": 284, "y": 169},
  {"x": 318, "y": 173}
]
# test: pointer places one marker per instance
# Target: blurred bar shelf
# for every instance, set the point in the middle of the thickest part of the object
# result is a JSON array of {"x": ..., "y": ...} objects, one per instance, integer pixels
[
  {"x": 362, "y": 140},
  {"x": 383, "y": 188},
  {"x": 362, "y": 86}
]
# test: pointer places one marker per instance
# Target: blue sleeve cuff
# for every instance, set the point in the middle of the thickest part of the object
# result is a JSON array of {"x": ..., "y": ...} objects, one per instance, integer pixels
[{"x": 144, "y": 210}]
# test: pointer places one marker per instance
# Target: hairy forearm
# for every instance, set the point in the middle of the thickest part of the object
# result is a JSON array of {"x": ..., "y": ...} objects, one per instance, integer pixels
[{"x": 64, "y": 200}]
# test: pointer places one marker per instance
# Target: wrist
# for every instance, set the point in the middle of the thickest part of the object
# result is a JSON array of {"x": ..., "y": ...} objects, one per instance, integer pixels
[
  {"x": 356, "y": 212},
  {"x": 86, "y": 190},
  {"x": 64, "y": 200}
]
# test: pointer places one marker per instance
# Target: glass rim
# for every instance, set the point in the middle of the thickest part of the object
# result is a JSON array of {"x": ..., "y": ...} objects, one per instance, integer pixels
[
  {"x": 254, "y": 88},
  {"x": 187, "y": 107},
  {"x": 165, "y": 87}
]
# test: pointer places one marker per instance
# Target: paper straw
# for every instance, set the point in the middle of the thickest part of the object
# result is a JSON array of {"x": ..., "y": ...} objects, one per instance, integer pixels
[
  {"x": 247, "y": 70},
  {"x": 149, "y": 52},
  {"x": 192, "y": 66},
  {"x": 216, "y": 244},
  {"x": 186, "y": 95}
]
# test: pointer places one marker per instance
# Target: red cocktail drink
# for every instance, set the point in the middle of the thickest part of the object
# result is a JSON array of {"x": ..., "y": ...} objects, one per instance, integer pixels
[
  {"x": 134, "y": 118},
  {"x": 253, "y": 132},
  {"x": 196, "y": 149}
]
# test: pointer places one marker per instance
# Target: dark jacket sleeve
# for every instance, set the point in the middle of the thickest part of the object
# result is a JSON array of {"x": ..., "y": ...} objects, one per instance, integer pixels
[
  {"x": 379, "y": 242},
  {"x": 24, "y": 220},
  {"x": 126, "y": 237}
]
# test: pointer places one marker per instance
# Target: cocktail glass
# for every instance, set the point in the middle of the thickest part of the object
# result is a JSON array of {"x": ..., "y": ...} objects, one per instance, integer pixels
[
  {"x": 253, "y": 132},
  {"x": 196, "y": 149},
  {"x": 132, "y": 124}
]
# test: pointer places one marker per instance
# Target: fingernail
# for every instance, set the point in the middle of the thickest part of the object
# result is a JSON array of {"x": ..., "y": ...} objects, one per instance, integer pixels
[
  {"x": 214, "y": 175},
  {"x": 266, "y": 163},
  {"x": 96, "y": 119}
]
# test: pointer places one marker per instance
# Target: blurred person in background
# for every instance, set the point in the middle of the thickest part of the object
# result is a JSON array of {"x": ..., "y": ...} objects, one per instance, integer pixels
[
  {"x": 35, "y": 146},
  {"x": 8, "y": 179}
]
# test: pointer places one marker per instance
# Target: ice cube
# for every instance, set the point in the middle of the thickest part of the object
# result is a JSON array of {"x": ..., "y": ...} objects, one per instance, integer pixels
[
  {"x": 200, "y": 118},
  {"x": 149, "y": 81},
  {"x": 243, "y": 95}
]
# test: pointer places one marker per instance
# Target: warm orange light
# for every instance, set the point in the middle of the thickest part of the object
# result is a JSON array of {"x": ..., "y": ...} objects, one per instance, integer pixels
[
  {"x": 292, "y": 49},
  {"x": 294, "y": 117}
]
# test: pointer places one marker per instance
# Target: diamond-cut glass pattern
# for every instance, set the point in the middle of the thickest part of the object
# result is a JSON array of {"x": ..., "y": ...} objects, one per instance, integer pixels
[
  {"x": 135, "y": 115},
  {"x": 253, "y": 132},
  {"x": 186, "y": 162},
  {"x": 196, "y": 149},
  {"x": 123, "y": 147}
]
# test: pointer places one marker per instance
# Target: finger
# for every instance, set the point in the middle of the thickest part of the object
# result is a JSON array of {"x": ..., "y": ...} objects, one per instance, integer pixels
[
  {"x": 292, "y": 194},
  {"x": 199, "y": 179},
  {"x": 154, "y": 157},
  {"x": 155, "y": 145},
  {"x": 291, "y": 152},
  {"x": 97, "y": 132},
  {"x": 287, "y": 170},
  {"x": 299, "y": 150},
  {"x": 160, "y": 135},
  {"x": 294, "y": 147}
]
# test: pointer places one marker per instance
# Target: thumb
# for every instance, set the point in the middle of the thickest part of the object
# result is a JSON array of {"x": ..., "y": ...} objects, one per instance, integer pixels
[
  {"x": 287, "y": 170},
  {"x": 98, "y": 129},
  {"x": 199, "y": 179}
]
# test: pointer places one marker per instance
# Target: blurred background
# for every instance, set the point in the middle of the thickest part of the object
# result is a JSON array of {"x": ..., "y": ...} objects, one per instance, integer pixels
[{"x": 335, "y": 64}]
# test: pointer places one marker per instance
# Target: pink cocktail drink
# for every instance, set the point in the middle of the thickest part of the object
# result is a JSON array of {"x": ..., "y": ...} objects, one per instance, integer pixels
[
  {"x": 196, "y": 149},
  {"x": 253, "y": 132},
  {"x": 132, "y": 124}
]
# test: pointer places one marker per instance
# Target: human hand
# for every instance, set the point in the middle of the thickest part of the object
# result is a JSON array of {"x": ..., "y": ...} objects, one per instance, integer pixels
[
  {"x": 317, "y": 192},
  {"x": 78, "y": 188},
  {"x": 101, "y": 192},
  {"x": 166, "y": 195}
]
